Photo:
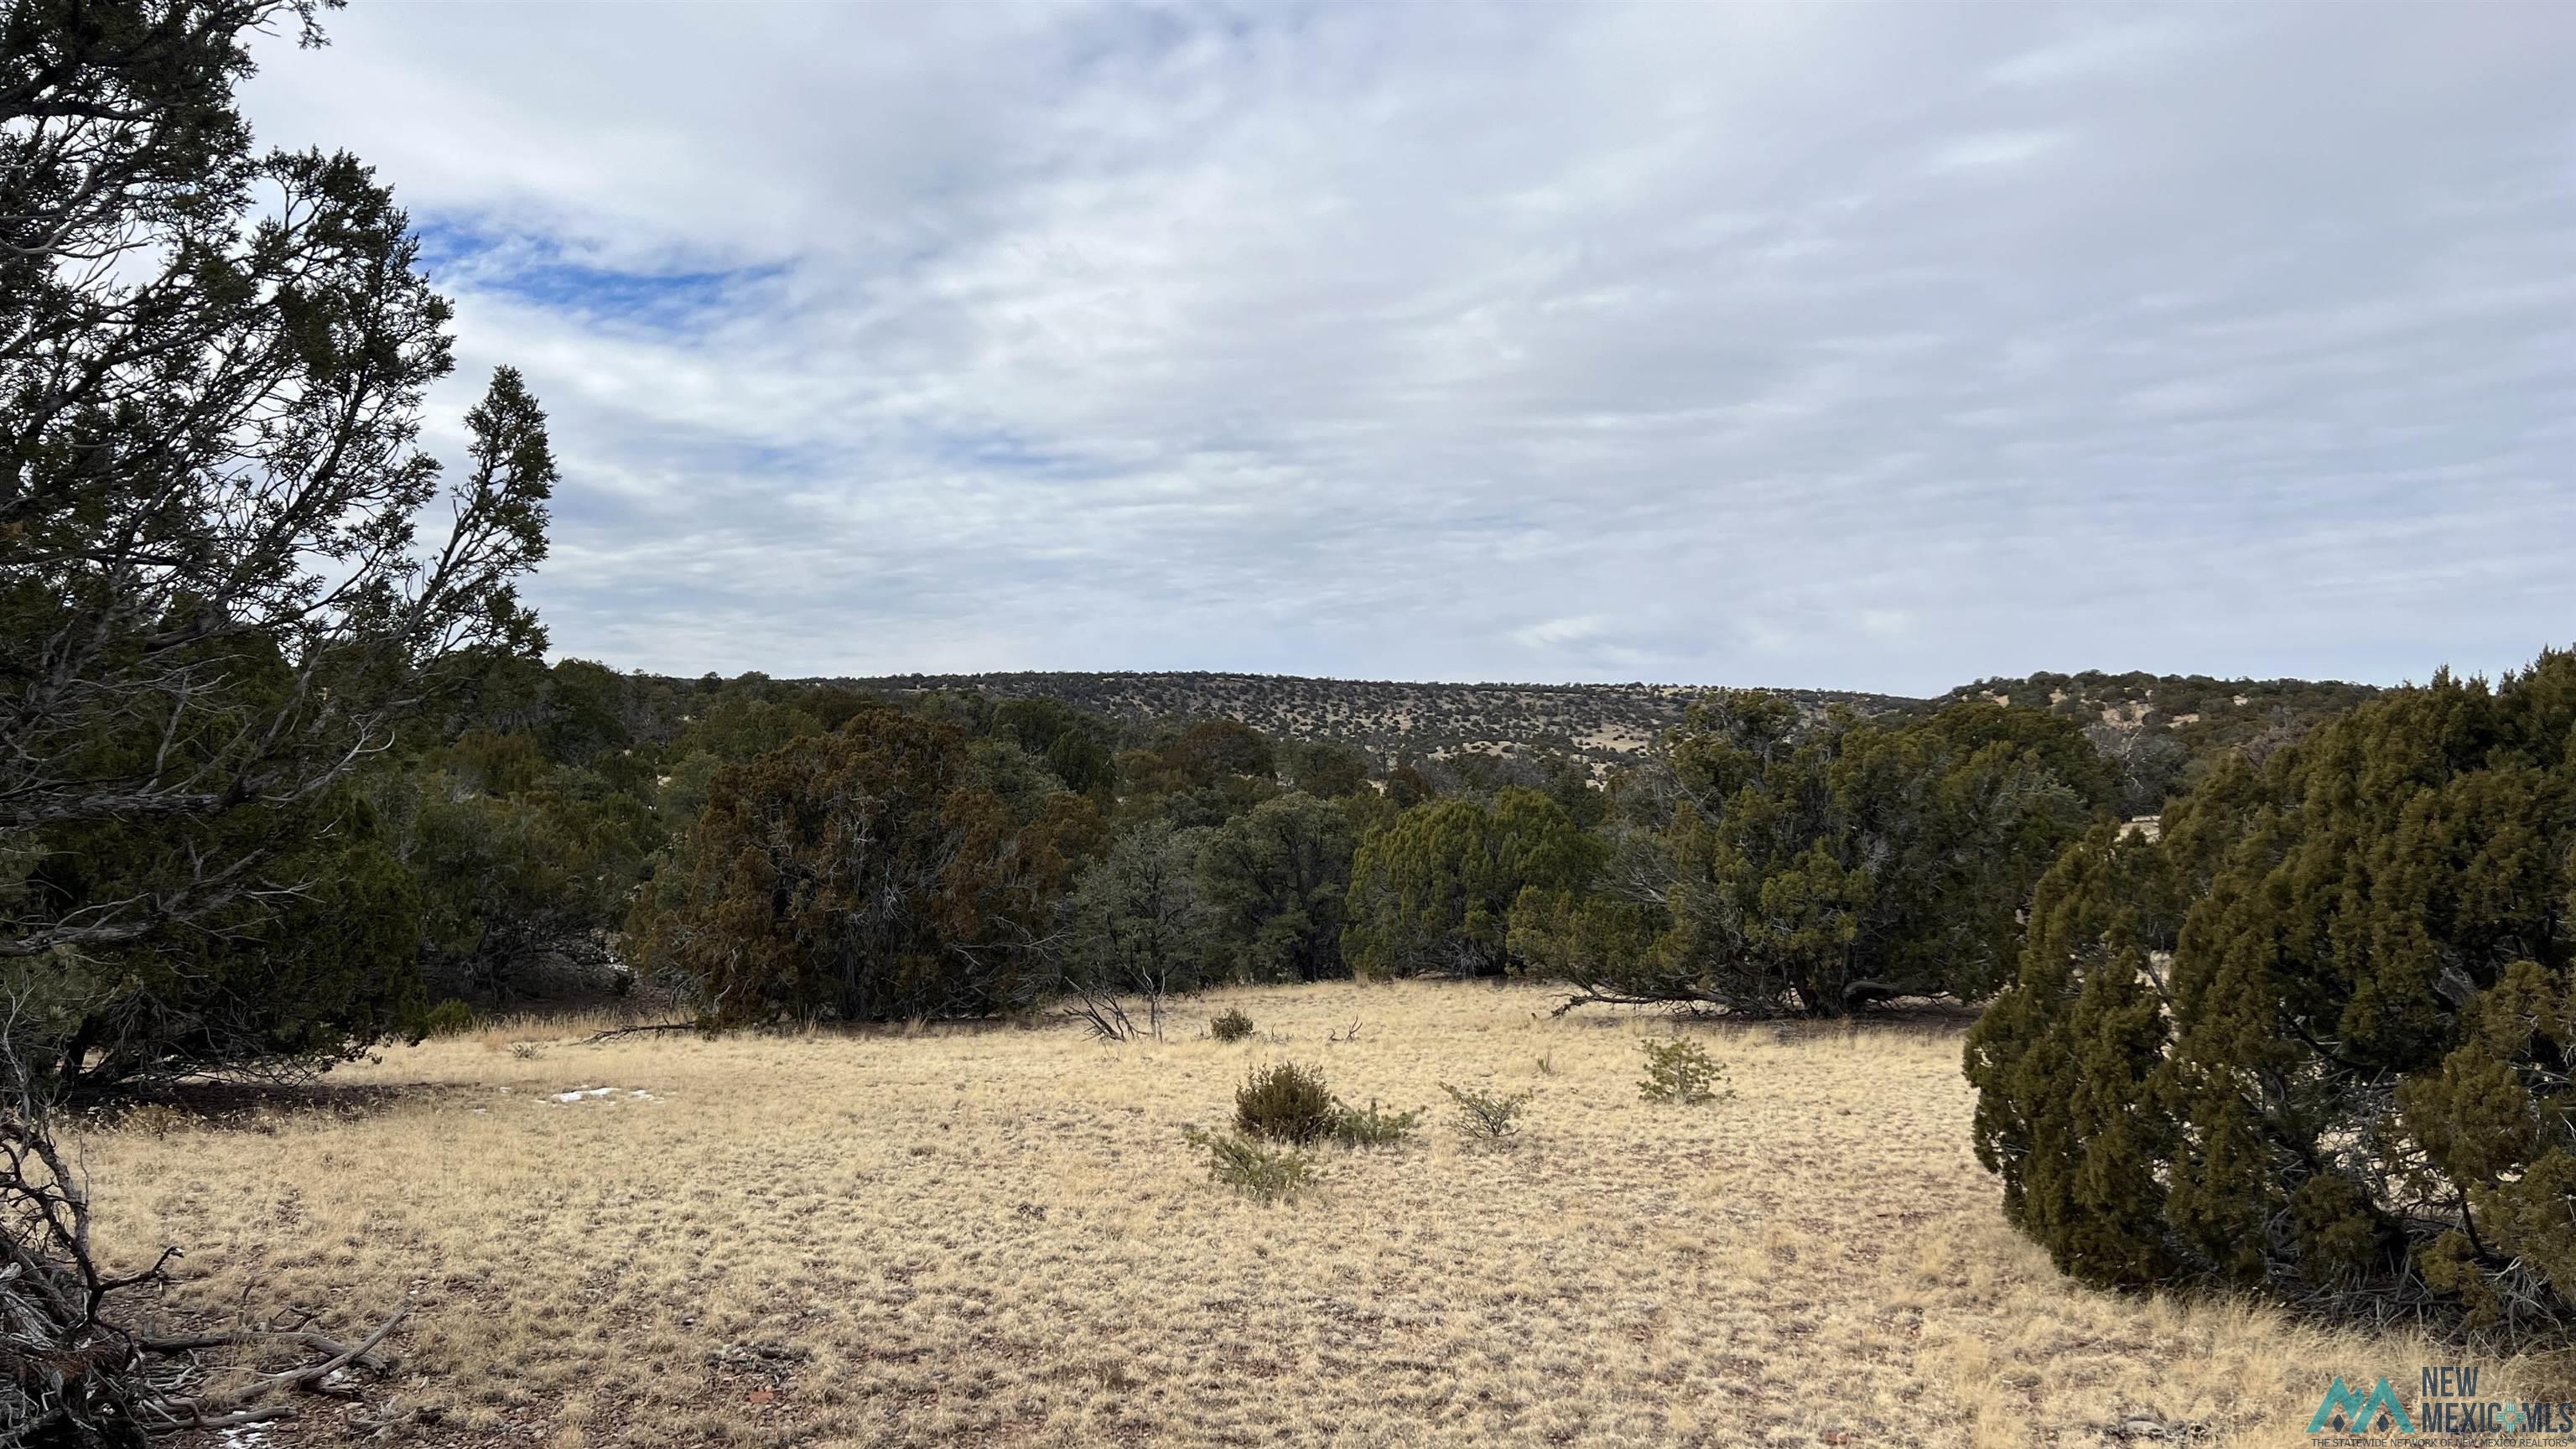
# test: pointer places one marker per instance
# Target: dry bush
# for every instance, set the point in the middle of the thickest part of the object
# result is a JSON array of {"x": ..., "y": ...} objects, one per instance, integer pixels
[
  {"x": 1371, "y": 1127},
  {"x": 1267, "y": 1174},
  {"x": 1681, "y": 1070},
  {"x": 1490, "y": 1116},
  {"x": 1286, "y": 1103},
  {"x": 1232, "y": 1026}
]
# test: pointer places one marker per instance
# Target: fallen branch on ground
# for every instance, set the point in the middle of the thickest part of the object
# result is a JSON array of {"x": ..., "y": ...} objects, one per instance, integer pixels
[{"x": 653, "y": 1029}]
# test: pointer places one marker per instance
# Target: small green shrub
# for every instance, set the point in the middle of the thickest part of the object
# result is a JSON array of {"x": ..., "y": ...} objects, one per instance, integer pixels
[
  {"x": 1488, "y": 1115},
  {"x": 1680, "y": 1070},
  {"x": 1286, "y": 1103},
  {"x": 1372, "y": 1128},
  {"x": 1263, "y": 1173},
  {"x": 448, "y": 1018},
  {"x": 1233, "y": 1026}
]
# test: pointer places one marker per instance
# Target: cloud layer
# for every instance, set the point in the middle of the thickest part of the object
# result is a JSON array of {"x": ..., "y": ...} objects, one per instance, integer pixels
[{"x": 1874, "y": 346}]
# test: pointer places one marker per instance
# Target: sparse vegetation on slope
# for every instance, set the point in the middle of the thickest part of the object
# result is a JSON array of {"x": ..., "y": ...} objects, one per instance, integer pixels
[
  {"x": 1604, "y": 723},
  {"x": 2165, "y": 729}
]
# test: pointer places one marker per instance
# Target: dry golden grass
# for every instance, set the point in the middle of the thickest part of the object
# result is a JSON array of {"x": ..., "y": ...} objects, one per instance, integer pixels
[{"x": 999, "y": 1237}]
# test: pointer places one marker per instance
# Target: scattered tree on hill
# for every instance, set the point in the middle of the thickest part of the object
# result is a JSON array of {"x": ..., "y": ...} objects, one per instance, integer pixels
[{"x": 2318, "y": 1037}]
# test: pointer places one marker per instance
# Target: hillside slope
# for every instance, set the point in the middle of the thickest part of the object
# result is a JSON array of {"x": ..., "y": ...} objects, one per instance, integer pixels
[
  {"x": 1607, "y": 723},
  {"x": 2160, "y": 726},
  {"x": 2157, "y": 725}
]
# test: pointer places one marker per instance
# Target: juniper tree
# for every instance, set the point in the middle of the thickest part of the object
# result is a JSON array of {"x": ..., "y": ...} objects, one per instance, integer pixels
[
  {"x": 216, "y": 601},
  {"x": 1274, "y": 882},
  {"x": 2318, "y": 1037},
  {"x": 1133, "y": 919},
  {"x": 1769, "y": 865},
  {"x": 1432, "y": 890},
  {"x": 861, "y": 875},
  {"x": 215, "y": 591}
]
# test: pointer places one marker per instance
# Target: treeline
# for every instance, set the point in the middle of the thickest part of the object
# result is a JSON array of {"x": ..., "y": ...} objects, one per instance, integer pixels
[
  {"x": 764, "y": 850},
  {"x": 761, "y": 849}
]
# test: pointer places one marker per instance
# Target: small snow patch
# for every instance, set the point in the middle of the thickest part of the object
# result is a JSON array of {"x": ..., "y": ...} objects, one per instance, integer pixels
[{"x": 593, "y": 1094}]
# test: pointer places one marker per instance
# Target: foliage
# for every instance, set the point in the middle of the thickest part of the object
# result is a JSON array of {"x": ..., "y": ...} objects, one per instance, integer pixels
[
  {"x": 210, "y": 546},
  {"x": 1211, "y": 751},
  {"x": 1370, "y": 1127},
  {"x": 300, "y": 978},
  {"x": 1773, "y": 869},
  {"x": 448, "y": 1018},
  {"x": 1274, "y": 882},
  {"x": 1020, "y": 780},
  {"x": 861, "y": 875},
  {"x": 213, "y": 578},
  {"x": 1325, "y": 769},
  {"x": 1069, "y": 741},
  {"x": 515, "y": 865},
  {"x": 1490, "y": 1116},
  {"x": 219, "y": 603},
  {"x": 1286, "y": 1103},
  {"x": 1133, "y": 922},
  {"x": 2317, "y": 1038},
  {"x": 1433, "y": 890},
  {"x": 1266, "y": 1174},
  {"x": 1406, "y": 786},
  {"x": 2165, "y": 731},
  {"x": 1681, "y": 1070},
  {"x": 1232, "y": 1026}
]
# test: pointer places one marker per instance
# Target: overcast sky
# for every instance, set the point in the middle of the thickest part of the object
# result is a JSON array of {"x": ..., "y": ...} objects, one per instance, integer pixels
[{"x": 1878, "y": 346}]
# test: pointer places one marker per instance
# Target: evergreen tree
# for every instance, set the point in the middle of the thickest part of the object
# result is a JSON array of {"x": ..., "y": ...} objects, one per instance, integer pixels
[
  {"x": 2318, "y": 1037},
  {"x": 861, "y": 875},
  {"x": 1432, "y": 891},
  {"x": 1275, "y": 882},
  {"x": 215, "y": 591},
  {"x": 1770, "y": 866},
  {"x": 1134, "y": 922}
]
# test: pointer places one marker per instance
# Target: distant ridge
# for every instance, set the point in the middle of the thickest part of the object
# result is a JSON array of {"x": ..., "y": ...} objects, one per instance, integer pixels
[
  {"x": 1611, "y": 724},
  {"x": 1391, "y": 719}
]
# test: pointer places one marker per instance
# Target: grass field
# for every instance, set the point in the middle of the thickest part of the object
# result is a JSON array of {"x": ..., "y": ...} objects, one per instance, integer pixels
[{"x": 999, "y": 1237}]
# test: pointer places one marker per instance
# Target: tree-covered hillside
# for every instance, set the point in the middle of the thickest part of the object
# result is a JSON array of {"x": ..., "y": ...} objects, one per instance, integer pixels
[
  {"x": 1605, "y": 723},
  {"x": 2161, "y": 728}
]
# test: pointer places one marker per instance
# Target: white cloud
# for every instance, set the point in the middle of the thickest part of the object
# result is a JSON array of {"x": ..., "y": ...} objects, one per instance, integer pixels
[
  {"x": 1471, "y": 342},
  {"x": 1990, "y": 149}
]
